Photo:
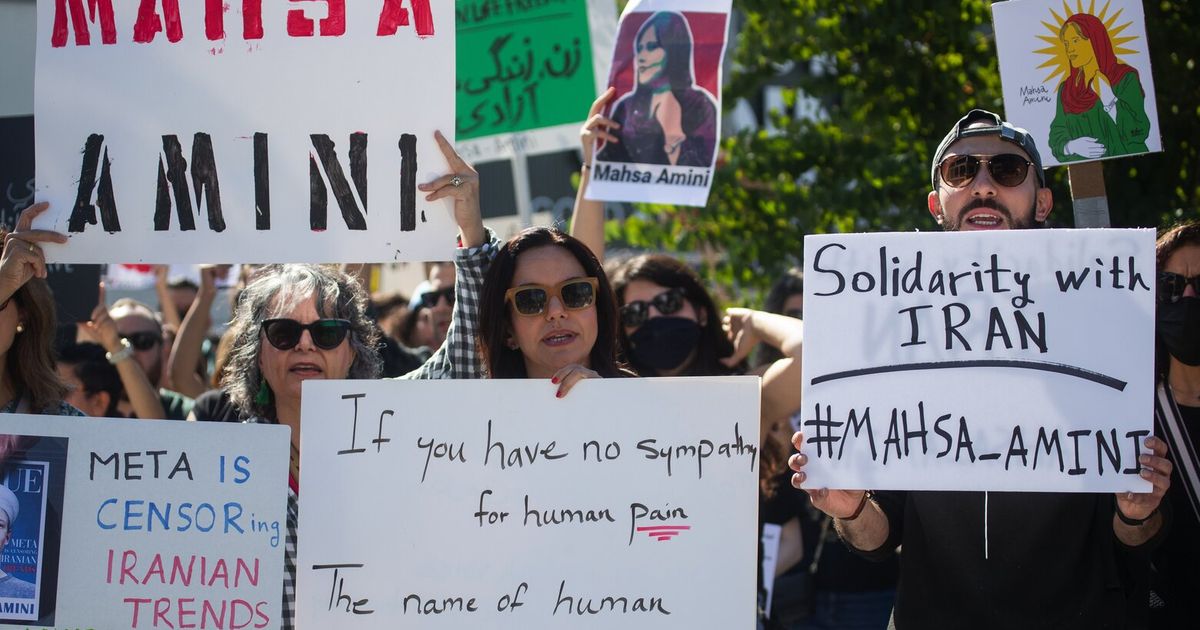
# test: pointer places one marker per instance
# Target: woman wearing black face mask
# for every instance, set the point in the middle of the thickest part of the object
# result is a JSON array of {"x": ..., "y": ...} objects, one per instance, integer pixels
[
  {"x": 671, "y": 327},
  {"x": 1173, "y": 601}
]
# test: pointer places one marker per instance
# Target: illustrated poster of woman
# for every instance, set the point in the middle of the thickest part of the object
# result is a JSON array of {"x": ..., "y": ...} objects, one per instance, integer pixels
[{"x": 1101, "y": 108}]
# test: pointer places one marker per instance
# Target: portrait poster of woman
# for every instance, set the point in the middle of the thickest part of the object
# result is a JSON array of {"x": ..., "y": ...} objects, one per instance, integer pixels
[
  {"x": 666, "y": 71},
  {"x": 31, "y": 493},
  {"x": 1077, "y": 76}
]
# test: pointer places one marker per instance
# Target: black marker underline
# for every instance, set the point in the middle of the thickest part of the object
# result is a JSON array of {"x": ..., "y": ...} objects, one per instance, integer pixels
[{"x": 1057, "y": 368}]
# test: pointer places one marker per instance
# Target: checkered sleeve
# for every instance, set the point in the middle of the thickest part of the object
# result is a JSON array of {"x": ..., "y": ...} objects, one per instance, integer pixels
[
  {"x": 458, "y": 357},
  {"x": 288, "y": 611}
]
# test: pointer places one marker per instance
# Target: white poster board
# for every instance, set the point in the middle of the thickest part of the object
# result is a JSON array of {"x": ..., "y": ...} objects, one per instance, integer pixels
[
  {"x": 205, "y": 132},
  {"x": 150, "y": 523},
  {"x": 492, "y": 504},
  {"x": 1077, "y": 76},
  {"x": 666, "y": 69},
  {"x": 1012, "y": 360}
]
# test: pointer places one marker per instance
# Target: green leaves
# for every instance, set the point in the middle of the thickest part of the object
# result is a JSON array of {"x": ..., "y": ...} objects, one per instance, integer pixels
[{"x": 891, "y": 77}]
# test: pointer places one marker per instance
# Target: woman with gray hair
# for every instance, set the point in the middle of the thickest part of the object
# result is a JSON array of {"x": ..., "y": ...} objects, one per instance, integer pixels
[{"x": 299, "y": 322}]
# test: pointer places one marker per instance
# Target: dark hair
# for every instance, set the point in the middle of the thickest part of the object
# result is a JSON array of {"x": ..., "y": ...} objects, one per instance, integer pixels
[
  {"x": 409, "y": 325},
  {"x": 382, "y": 305},
  {"x": 676, "y": 41},
  {"x": 90, "y": 365},
  {"x": 668, "y": 272},
  {"x": 495, "y": 316},
  {"x": 789, "y": 284},
  {"x": 1169, "y": 242},
  {"x": 30, "y": 359}
]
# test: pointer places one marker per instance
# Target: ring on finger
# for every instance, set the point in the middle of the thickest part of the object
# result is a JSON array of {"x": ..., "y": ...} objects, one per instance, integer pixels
[
  {"x": 31, "y": 247},
  {"x": 456, "y": 181}
]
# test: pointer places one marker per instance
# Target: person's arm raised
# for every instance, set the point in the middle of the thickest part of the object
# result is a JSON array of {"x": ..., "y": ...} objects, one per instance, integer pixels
[
  {"x": 782, "y": 379},
  {"x": 587, "y": 220},
  {"x": 141, "y": 393},
  {"x": 189, "y": 343}
]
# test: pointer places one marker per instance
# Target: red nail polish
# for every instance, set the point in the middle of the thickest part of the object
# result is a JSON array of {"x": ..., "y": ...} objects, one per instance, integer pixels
[
  {"x": 558, "y": 395},
  {"x": 554, "y": 380}
]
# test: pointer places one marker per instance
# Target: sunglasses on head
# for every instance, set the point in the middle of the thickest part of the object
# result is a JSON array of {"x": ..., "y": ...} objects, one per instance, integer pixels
[
  {"x": 429, "y": 299},
  {"x": 668, "y": 302},
  {"x": 1172, "y": 285},
  {"x": 1006, "y": 169},
  {"x": 326, "y": 334},
  {"x": 143, "y": 340},
  {"x": 533, "y": 299}
]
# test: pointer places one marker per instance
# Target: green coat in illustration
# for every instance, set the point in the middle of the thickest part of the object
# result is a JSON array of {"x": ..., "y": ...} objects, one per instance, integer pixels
[{"x": 1124, "y": 136}]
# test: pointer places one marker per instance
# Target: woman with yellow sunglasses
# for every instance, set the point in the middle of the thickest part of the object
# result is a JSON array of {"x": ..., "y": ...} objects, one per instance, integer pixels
[{"x": 548, "y": 311}]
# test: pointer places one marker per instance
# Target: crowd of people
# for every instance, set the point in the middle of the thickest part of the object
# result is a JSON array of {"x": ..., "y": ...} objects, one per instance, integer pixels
[{"x": 546, "y": 304}]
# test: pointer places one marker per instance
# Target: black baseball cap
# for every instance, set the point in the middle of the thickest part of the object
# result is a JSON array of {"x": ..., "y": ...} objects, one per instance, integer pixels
[{"x": 996, "y": 127}]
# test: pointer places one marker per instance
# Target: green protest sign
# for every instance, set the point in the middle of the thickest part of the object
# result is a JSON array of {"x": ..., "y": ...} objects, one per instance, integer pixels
[{"x": 522, "y": 66}]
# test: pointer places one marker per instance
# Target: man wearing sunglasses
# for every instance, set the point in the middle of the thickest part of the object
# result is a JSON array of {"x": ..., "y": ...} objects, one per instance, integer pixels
[
  {"x": 1003, "y": 559},
  {"x": 141, "y": 330}
]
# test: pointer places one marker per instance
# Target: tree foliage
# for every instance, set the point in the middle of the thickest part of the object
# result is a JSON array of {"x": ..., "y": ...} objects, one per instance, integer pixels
[{"x": 891, "y": 77}]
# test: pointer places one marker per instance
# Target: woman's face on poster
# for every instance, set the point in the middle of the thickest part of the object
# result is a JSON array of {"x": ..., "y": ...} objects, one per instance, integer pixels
[
  {"x": 1079, "y": 50},
  {"x": 651, "y": 58},
  {"x": 5, "y": 529}
]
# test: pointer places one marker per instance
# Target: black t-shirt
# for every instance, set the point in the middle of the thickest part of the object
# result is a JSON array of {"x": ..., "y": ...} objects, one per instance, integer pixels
[
  {"x": 1177, "y": 562},
  {"x": 215, "y": 406}
]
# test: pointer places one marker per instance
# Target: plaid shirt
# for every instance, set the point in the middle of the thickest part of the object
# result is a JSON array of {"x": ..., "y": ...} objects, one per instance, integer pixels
[{"x": 456, "y": 358}]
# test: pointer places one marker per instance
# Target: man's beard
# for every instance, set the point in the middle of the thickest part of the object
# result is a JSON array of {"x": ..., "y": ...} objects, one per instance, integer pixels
[{"x": 954, "y": 224}]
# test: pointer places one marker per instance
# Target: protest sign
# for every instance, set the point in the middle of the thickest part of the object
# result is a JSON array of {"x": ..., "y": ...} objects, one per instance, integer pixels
[
  {"x": 1077, "y": 76},
  {"x": 666, "y": 69},
  {"x": 630, "y": 503},
  {"x": 16, "y": 167},
  {"x": 76, "y": 290},
  {"x": 1013, "y": 360},
  {"x": 528, "y": 72},
  {"x": 136, "y": 524},
  {"x": 207, "y": 132}
]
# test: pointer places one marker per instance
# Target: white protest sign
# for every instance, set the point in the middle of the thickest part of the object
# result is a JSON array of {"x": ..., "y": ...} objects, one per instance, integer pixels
[
  {"x": 191, "y": 132},
  {"x": 630, "y": 503},
  {"x": 1077, "y": 76},
  {"x": 666, "y": 69},
  {"x": 1012, "y": 360},
  {"x": 148, "y": 524}
]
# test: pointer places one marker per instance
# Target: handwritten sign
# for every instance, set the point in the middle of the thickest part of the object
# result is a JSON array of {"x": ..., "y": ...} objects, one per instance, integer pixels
[
  {"x": 148, "y": 524},
  {"x": 244, "y": 131},
  {"x": 1019, "y": 360},
  {"x": 528, "y": 72},
  {"x": 667, "y": 72},
  {"x": 631, "y": 503},
  {"x": 1077, "y": 76}
]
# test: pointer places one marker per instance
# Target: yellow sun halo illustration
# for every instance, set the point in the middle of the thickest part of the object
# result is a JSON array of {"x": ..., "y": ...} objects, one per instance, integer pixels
[{"x": 1059, "y": 65}]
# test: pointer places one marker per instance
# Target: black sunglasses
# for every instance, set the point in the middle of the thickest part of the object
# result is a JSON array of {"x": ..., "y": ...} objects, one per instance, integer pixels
[
  {"x": 326, "y": 334},
  {"x": 1172, "y": 285},
  {"x": 429, "y": 299},
  {"x": 1006, "y": 169},
  {"x": 143, "y": 340},
  {"x": 668, "y": 302},
  {"x": 532, "y": 299}
]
